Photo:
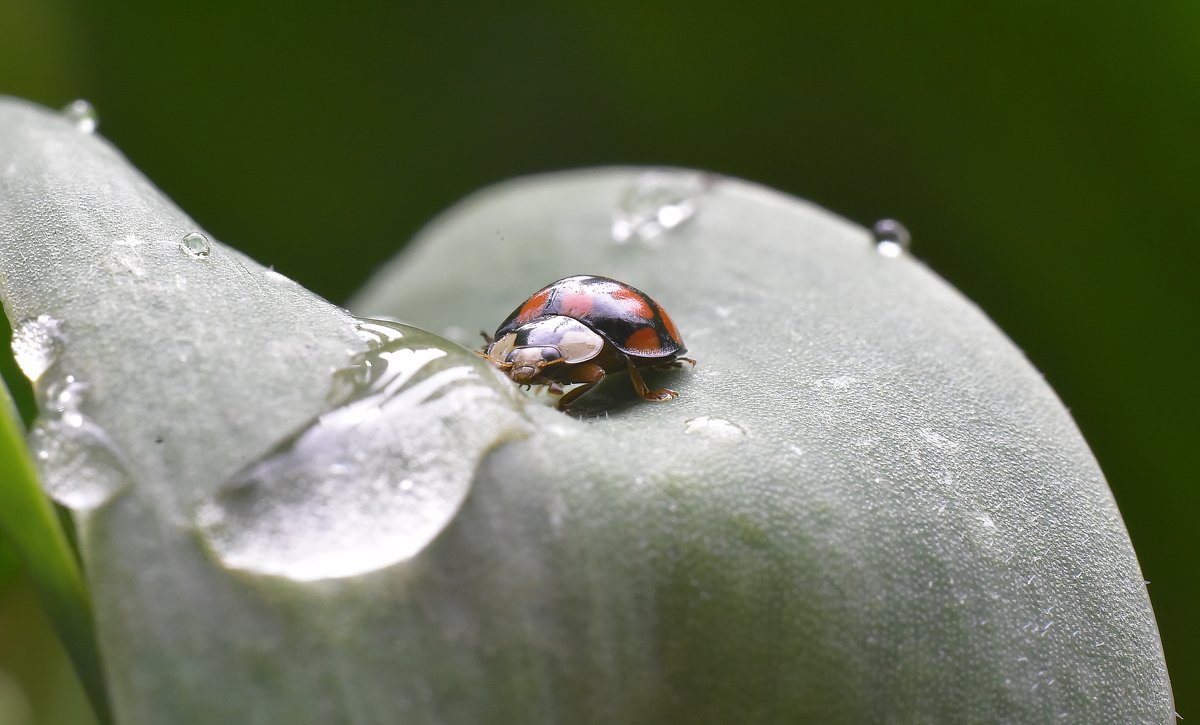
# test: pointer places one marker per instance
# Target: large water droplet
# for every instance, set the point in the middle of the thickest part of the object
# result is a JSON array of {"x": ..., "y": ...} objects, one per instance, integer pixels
[
  {"x": 714, "y": 428},
  {"x": 196, "y": 245},
  {"x": 375, "y": 479},
  {"x": 657, "y": 202},
  {"x": 80, "y": 465},
  {"x": 83, "y": 115},
  {"x": 891, "y": 238},
  {"x": 36, "y": 345}
]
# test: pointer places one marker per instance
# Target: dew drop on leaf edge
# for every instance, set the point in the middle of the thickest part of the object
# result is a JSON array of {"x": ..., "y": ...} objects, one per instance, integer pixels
[
  {"x": 655, "y": 203},
  {"x": 892, "y": 238},
  {"x": 36, "y": 344},
  {"x": 82, "y": 115},
  {"x": 80, "y": 466}
]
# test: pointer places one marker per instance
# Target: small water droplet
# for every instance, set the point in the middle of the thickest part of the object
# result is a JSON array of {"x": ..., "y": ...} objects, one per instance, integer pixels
[
  {"x": 891, "y": 238},
  {"x": 36, "y": 345},
  {"x": 657, "y": 202},
  {"x": 80, "y": 465},
  {"x": 372, "y": 481},
  {"x": 196, "y": 245},
  {"x": 83, "y": 115},
  {"x": 714, "y": 428}
]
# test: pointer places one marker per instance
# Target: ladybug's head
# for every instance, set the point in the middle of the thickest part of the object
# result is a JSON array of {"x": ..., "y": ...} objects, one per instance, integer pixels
[{"x": 524, "y": 364}]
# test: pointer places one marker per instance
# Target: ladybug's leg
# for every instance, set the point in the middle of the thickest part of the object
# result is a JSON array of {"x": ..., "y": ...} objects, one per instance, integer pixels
[
  {"x": 640, "y": 386},
  {"x": 589, "y": 374},
  {"x": 676, "y": 364},
  {"x": 487, "y": 339}
]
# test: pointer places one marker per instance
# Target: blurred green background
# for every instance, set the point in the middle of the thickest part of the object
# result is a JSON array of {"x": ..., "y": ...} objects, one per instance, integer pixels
[{"x": 1044, "y": 156}]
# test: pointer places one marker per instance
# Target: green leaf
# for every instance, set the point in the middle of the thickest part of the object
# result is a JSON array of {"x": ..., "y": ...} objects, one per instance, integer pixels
[
  {"x": 184, "y": 369},
  {"x": 864, "y": 505},
  {"x": 38, "y": 683}
]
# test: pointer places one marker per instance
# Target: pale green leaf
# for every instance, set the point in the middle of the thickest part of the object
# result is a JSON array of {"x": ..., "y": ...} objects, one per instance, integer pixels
[{"x": 864, "y": 505}]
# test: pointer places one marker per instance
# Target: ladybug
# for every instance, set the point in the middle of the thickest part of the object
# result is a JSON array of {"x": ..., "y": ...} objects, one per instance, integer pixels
[{"x": 579, "y": 329}]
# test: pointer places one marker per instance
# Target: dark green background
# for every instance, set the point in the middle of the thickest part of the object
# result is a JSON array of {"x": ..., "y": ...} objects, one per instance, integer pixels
[{"x": 1044, "y": 155}]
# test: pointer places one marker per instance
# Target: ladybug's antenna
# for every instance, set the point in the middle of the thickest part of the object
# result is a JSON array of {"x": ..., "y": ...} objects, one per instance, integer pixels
[{"x": 498, "y": 363}]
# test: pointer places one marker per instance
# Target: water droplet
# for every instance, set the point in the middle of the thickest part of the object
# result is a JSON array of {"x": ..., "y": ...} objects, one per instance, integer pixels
[
  {"x": 657, "y": 202},
  {"x": 713, "y": 428},
  {"x": 891, "y": 238},
  {"x": 196, "y": 245},
  {"x": 376, "y": 478},
  {"x": 83, "y": 115},
  {"x": 36, "y": 345},
  {"x": 80, "y": 465}
]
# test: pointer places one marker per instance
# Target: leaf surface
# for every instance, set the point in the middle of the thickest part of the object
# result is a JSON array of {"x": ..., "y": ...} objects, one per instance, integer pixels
[{"x": 864, "y": 505}]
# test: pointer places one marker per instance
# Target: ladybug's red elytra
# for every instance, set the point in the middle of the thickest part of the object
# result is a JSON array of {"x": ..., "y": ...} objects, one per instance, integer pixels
[{"x": 580, "y": 328}]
